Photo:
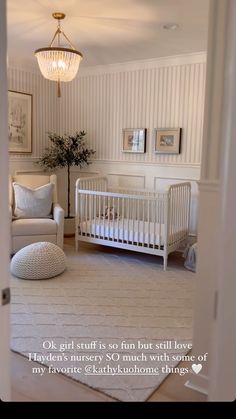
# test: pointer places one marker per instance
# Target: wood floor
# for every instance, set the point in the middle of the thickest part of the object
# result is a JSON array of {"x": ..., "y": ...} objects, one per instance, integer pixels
[{"x": 49, "y": 387}]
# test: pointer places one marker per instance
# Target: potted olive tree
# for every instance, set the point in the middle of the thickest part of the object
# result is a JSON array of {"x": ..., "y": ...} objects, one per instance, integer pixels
[{"x": 66, "y": 151}]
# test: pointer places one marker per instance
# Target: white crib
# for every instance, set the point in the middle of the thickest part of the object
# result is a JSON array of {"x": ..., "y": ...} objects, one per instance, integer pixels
[{"x": 140, "y": 220}]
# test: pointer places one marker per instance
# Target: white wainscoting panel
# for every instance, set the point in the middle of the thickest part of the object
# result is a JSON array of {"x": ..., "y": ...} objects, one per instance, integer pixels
[
  {"x": 121, "y": 180},
  {"x": 124, "y": 174}
]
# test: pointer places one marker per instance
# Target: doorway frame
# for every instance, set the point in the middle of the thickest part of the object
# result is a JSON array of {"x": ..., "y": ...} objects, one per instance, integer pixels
[{"x": 4, "y": 211}]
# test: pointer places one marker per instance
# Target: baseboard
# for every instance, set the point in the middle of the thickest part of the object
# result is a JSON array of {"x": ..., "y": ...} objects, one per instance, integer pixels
[{"x": 198, "y": 383}]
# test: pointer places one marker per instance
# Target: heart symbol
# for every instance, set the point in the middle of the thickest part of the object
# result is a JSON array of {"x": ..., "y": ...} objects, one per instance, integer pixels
[{"x": 196, "y": 368}]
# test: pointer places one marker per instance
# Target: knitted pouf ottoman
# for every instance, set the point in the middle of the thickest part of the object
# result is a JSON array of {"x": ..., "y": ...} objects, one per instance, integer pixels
[{"x": 40, "y": 260}]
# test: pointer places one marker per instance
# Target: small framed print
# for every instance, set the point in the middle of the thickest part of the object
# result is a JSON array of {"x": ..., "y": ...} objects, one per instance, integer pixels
[
  {"x": 19, "y": 122},
  {"x": 134, "y": 140},
  {"x": 167, "y": 141}
]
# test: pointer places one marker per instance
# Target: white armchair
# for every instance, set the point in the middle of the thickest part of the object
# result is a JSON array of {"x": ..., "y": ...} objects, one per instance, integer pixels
[{"x": 25, "y": 231}]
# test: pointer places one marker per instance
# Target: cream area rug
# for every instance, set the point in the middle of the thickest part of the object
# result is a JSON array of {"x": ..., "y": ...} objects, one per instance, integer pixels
[{"x": 114, "y": 320}]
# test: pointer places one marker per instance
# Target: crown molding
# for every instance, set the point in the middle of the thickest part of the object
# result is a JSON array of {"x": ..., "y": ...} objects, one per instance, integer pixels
[{"x": 183, "y": 59}]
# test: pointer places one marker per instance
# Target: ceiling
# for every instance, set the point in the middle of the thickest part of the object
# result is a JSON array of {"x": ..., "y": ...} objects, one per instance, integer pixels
[{"x": 109, "y": 31}]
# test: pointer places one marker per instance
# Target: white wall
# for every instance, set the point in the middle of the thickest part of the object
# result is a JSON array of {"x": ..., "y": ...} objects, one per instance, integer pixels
[{"x": 162, "y": 93}]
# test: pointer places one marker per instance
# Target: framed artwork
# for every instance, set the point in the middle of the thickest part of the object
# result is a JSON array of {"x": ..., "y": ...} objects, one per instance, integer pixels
[
  {"x": 134, "y": 140},
  {"x": 19, "y": 122},
  {"x": 167, "y": 140}
]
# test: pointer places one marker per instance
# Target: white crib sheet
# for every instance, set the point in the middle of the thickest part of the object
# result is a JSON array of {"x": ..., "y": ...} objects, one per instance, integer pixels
[{"x": 127, "y": 230}]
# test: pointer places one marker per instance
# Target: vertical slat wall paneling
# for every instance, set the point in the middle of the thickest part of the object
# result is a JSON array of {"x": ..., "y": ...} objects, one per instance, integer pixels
[
  {"x": 107, "y": 114},
  {"x": 105, "y": 100},
  {"x": 114, "y": 119},
  {"x": 185, "y": 137},
  {"x": 111, "y": 101},
  {"x": 195, "y": 107},
  {"x": 153, "y": 115},
  {"x": 97, "y": 133},
  {"x": 164, "y": 98},
  {"x": 45, "y": 111},
  {"x": 132, "y": 99},
  {"x": 202, "y": 81},
  {"x": 101, "y": 139},
  {"x": 173, "y": 108},
  {"x": 191, "y": 106},
  {"x": 148, "y": 111},
  {"x": 181, "y": 106},
  {"x": 107, "y": 93}
]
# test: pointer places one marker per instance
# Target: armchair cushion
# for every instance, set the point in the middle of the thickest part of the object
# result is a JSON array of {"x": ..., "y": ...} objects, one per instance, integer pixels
[
  {"x": 34, "y": 227},
  {"x": 33, "y": 203}
]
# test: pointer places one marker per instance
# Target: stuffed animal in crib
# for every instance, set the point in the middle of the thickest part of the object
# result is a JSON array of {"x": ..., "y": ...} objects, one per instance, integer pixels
[{"x": 110, "y": 214}]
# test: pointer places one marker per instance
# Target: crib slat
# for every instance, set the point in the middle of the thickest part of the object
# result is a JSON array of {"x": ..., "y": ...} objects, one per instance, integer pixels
[
  {"x": 160, "y": 219},
  {"x": 99, "y": 216},
  {"x": 154, "y": 223},
  {"x": 187, "y": 205},
  {"x": 133, "y": 218},
  {"x": 178, "y": 232},
  {"x": 108, "y": 220},
  {"x": 185, "y": 215},
  {"x": 94, "y": 216},
  {"x": 171, "y": 217},
  {"x": 118, "y": 219},
  {"x": 113, "y": 218},
  {"x": 138, "y": 222},
  {"x": 173, "y": 213},
  {"x": 162, "y": 215},
  {"x": 90, "y": 214},
  {"x": 86, "y": 214},
  {"x": 178, "y": 214},
  {"x": 103, "y": 215},
  {"x": 174, "y": 206},
  {"x": 123, "y": 216},
  {"x": 182, "y": 209},
  {"x": 143, "y": 229},
  {"x": 174, "y": 209},
  {"x": 128, "y": 219}
]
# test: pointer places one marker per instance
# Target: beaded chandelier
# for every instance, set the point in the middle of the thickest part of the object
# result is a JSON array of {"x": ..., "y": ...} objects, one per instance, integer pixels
[{"x": 59, "y": 63}]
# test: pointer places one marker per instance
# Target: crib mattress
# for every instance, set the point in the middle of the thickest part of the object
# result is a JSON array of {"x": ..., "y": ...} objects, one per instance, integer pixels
[{"x": 132, "y": 231}]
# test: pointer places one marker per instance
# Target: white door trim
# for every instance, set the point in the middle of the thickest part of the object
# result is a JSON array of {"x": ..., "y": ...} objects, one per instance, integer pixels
[
  {"x": 215, "y": 308},
  {"x": 4, "y": 211},
  {"x": 222, "y": 373}
]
